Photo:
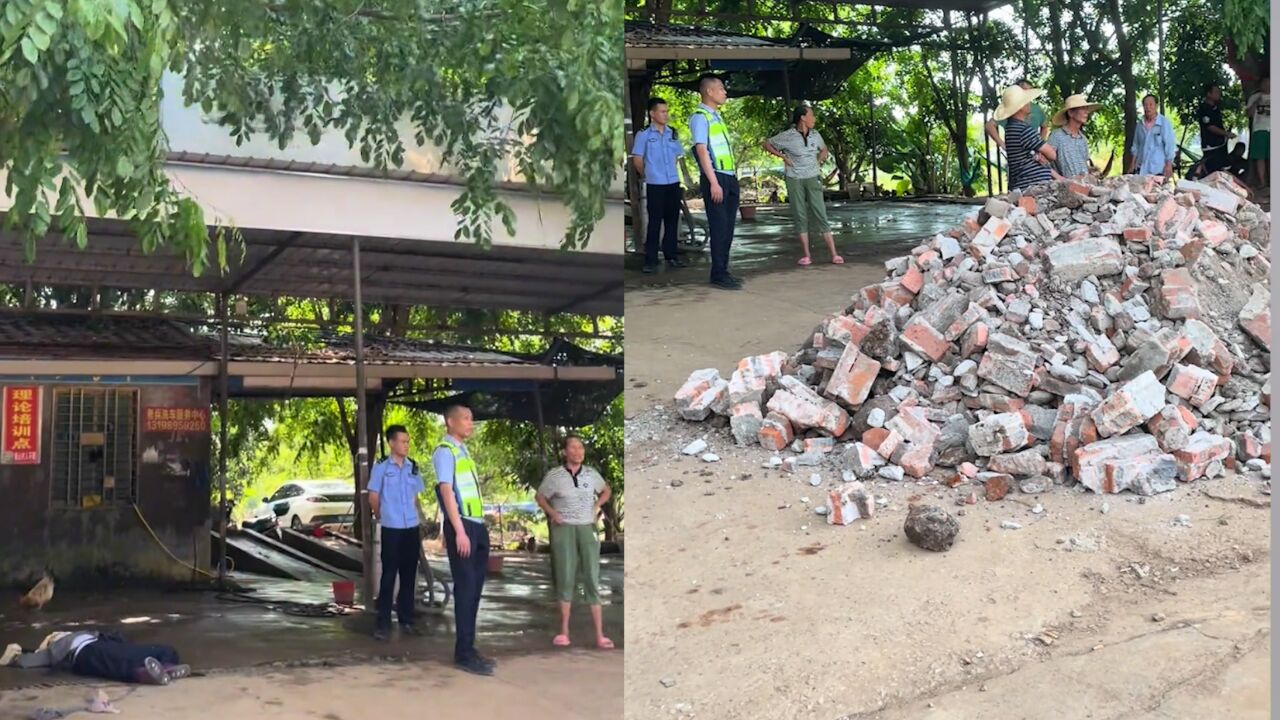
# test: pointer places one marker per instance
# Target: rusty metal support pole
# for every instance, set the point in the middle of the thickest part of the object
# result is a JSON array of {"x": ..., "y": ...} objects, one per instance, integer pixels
[
  {"x": 362, "y": 431},
  {"x": 986, "y": 141},
  {"x": 222, "y": 438}
]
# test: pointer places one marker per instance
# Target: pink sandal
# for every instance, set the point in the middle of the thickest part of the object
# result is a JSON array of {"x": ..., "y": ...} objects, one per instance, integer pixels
[
  {"x": 837, "y": 260},
  {"x": 604, "y": 644},
  {"x": 805, "y": 261},
  {"x": 561, "y": 641}
]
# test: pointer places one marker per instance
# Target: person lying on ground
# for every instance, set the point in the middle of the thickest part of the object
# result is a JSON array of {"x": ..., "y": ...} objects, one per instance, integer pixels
[{"x": 101, "y": 655}]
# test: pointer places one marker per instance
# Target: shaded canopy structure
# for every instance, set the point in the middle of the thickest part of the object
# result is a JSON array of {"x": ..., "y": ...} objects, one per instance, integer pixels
[
  {"x": 562, "y": 402},
  {"x": 811, "y": 64},
  {"x": 758, "y": 66}
]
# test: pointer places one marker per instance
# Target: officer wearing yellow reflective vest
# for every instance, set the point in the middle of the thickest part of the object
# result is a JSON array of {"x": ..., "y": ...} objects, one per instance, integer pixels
[
  {"x": 465, "y": 536},
  {"x": 719, "y": 181}
]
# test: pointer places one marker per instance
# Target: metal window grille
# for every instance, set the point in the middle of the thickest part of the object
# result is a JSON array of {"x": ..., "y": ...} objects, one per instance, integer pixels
[{"x": 95, "y": 447}]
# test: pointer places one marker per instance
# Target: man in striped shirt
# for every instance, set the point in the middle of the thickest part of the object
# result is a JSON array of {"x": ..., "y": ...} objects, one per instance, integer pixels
[{"x": 1029, "y": 155}]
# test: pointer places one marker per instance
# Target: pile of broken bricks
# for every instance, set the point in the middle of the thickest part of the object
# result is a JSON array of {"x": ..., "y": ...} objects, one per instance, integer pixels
[{"x": 1114, "y": 334}]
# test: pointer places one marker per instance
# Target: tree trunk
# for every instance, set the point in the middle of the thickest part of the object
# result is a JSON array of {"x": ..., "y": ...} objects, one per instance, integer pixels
[
  {"x": 1248, "y": 69},
  {"x": 1126, "y": 77}
]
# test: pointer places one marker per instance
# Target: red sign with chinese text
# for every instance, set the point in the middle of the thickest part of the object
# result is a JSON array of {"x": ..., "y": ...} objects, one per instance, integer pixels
[
  {"x": 20, "y": 435},
  {"x": 183, "y": 420}
]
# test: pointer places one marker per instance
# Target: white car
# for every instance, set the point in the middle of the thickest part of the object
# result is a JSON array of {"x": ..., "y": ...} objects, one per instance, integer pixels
[{"x": 301, "y": 503}]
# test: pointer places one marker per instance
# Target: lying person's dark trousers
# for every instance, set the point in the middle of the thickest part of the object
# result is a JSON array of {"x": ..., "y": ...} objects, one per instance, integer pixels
[{"x": 116, "y": 659}]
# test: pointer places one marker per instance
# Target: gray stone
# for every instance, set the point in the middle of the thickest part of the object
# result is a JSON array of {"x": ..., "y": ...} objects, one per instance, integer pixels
[
  {"x": 1035, "y": 485},
  {"x": 930, "y": 527},
  {"x": 891, "y": 472},
  {"x": 697, "y": 447}
]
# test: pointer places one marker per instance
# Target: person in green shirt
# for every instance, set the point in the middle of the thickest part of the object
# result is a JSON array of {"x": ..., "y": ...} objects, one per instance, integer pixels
[{"x": 1037, "y": 119}]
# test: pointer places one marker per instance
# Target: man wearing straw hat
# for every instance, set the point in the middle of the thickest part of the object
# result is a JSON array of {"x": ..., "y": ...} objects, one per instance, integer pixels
[
  {"x": 1036, "y": 120},
  {"x": 1028, "y": 154},
  {"x": 1068, "y": 139}
]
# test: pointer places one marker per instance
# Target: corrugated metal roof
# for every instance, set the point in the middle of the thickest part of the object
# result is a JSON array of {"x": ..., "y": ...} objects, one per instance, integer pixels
[
  {"x": 64, "y": 337},
  {"x": 277, "y": 263},
  {"x": 642, "y": 34}
]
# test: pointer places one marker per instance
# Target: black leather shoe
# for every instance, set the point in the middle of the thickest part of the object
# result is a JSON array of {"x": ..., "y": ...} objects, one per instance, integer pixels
[
  {"x": 474, "y": 666},
  {"x": 737, "y": 280},
  {"x": 726, "y": 284},
  {"x": 381, "y": 635},
  {"x": 410, "y": 629},
  {"x": 676, "y": 263},
  {"x": 650, "y": 269}
]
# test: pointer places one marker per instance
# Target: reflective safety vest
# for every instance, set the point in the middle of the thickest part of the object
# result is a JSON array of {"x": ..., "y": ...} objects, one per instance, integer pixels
[
  {"x": 466, "y": 484},
  {"x": 718, "y": 137}
]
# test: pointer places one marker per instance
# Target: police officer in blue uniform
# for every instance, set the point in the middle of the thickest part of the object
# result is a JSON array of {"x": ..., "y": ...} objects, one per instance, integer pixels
[{"x": 394, "y": 486}]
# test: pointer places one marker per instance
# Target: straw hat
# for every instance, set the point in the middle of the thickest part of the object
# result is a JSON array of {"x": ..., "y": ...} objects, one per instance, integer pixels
[
  {"x": 1014, "y": 99},
  {"x": 1073, "y": 102}
]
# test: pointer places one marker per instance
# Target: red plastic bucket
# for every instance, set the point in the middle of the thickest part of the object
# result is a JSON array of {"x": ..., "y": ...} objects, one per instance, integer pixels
[{"x": 344, "y": 592}]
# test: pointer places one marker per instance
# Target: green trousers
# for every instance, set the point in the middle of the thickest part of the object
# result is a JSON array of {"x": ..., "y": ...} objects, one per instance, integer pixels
[
  {"x": 807, "y": 205},
  {"x": 575, "y": 555}
]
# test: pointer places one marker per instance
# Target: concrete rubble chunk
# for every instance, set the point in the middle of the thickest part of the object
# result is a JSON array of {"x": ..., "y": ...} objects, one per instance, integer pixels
[
  {"x": 1255, "y": 317},
  {"x": 1072, "y": 262},
  {"x": 1023, "y": 464},
  {"x": 862, "y": 459},
  {"x": 1202, "y": 450},
  {"x": 806, "y": 409},
  {"x": 1114, "y": 332},
  {"x": 851, "y": 381},
  {"x": 1009, "y": 363},
  {"x": 999, "y": 433},
  {"x": 850, "y": 502},
  {"x": 1132, "y": 404},
  {"x": 701, "y": 393},
  {"x": 775, "y": 432},
  {"x": 1193, "y": 384},
  {"x": 745, "y": 421},
  {"x": 1089, "y": 463}
]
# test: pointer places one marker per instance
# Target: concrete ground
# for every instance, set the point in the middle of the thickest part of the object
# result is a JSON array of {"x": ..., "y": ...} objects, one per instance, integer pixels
[
  {"x": 748, "y": 605},
  {"x": 573, "y": 685},
  {"x": 769, "y": 244},
  {"x": 257, "y": 654}
]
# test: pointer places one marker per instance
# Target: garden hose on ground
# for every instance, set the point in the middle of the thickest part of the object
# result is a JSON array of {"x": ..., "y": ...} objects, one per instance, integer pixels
[{"x": 159, "y": 542}]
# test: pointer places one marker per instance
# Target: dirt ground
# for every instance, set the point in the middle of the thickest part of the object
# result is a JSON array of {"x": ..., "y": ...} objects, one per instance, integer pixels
[
  {"x": 745, "y": 604},
  {"x": 576, "y": 684}
]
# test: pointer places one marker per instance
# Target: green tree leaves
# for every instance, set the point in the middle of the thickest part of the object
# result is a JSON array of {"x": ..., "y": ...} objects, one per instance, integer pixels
[{"x": 485, "y": 81}]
